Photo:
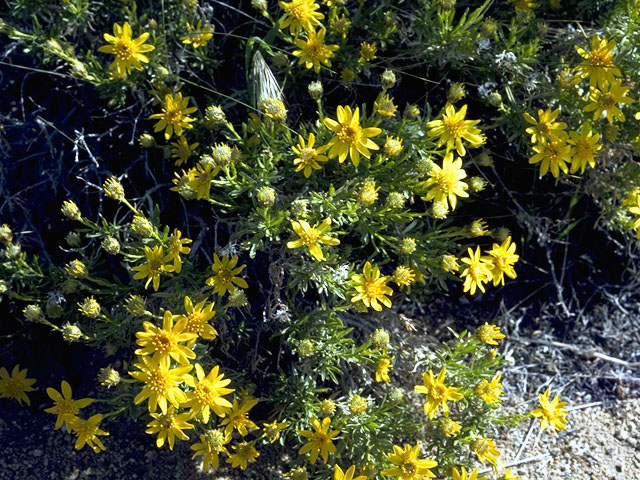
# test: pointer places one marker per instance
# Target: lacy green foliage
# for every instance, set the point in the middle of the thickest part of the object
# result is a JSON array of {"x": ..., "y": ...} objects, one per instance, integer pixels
[{"x": 331, "y": 190}]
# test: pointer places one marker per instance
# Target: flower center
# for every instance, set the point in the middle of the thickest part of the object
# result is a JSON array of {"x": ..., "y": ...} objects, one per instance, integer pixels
[
  {"x": 599, "y": 58},
  {"x": 195, "y": 323},
  {"x": 205, "y": 393},
  {"x": 166, "y": 421},
  {"x": 445, "y": 181},
  {"x": 408, "y": 468},
  {"x": 164, "y": 342},
  {"x": 123, "y": 49},
  {"x": 173, "y": 115},
  {"x": 308, "y": 156},
  {"x": 350, "y": 134},
  {"x": 225, "y": 276},
  {"x": 453, "y": 126},
  {"x": 67, "y": 407},
  {"x": 157, "y": 381},
  {"x": 155, "y": 266},
  {"x": 606, "y": 101},
  {"x": 310, "y": 237}
]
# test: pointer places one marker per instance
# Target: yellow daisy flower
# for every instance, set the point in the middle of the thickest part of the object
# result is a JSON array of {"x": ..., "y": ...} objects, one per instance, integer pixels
[
  {"x": 477, "y": 272},
  {"x": 64, "y": 405},
  {"x": 438, "y": 394},
  {"x": 463, "y": 475},
  {"x": 453, "y": 128},
  {"x": 155, "y": 266},
  {"x": 490, "y": 392},
  {"x": 165, "y": 342},
  {"x": 606, "y": 99},
  {"x": 181, "y": 150},
  {"x": 176, "y": 247},
  {"x": 546, "y": 128},
  {"x": 385, "y": 106},
  {"x": 211, "y": 446},
  {"x": 598, "y": 63},
  {"x": 350, "y": 138},
  {"x": 485, "y": 450},
  {"x": 382, "y": 370},
  {"x": 372, "y": 288},
  {"x": 488, "y": 334},
  {"x": 554, "y": 156},
  {"x": 585, "y": 148},
  {"x": 444, "y": 183},
  {"x": 407, "y": 465},
  {"x": 225, "y": 279},
  {"x": 168, "y": 426},
  {"x": 313, "y": 52},
  {"x": 320, "y": 440},
  {"x": 87, "y": 432},
  {"x": 237, "y": 418},
  {"x": 312, "y": 237},
  {"x": 551, "y": 413},
  {"x": 308, "y": 157},
  {"x": 272, "y": 430},
  {"x": 197, "y": 36},
  {"x": 197, "y": 318},
  {"x": 504, "y": 258},
  {"x": 128, "y": 51},
  {"x": 300, "y": 15},
  {"x": 245, "y": 452},
  {"x": 208, "y": 394},
  {"x": 17, "y": 385},
  {"x": 367, "y": 52},
  {"x": 338, "y": 474},
  {"x": 174, "y": 116},
  {"x": 162, "y": 383}
]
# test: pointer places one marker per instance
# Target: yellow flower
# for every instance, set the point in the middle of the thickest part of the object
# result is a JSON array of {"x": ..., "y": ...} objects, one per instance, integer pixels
[
  {"x": 64, "y": 405},
  {"x": 453, "y": 128},
  {"x": 200, "y": 180},
  {"x": 504, "y": 258},
  {"x": 237, "y": 418},
  {"x": 485, "y": 450},
  {"x": 308, "y": 157},
  {"x": 210, "y": 446},
  {"x": 372, "y": 288},
  {"x": 477, "y": 271},
  {"x": 605, "y": 100},
  {"x": 385, "y": 106},
  {"x": 300, "y": 15},
  {"x": 367, "y": 52},
  {"x": 462, "y": 474},
  {"x": 17, "y": 385},
  {"x": 165, "y": 342},
  {"x": 182, "y": 150},
  {"x": 274, "y": 109},
  {"x": 176, "y": 247},
  {"x": 393, "y": 146},
  {"x": 208, "y": 393},
  {"x": 87, "y": 432},
  {"x": 510, "y": 476},
  {"x": 449, "y": 427},
  {"x": 245, "y": 453},
  {"x": 551, "y": 413},
  {"x": 272, "y": 430},
  {"x": 488, "y": 334},
  {"x": 340, "y": 25},
  {"x": 585, "y": 147},
  {"x": 407, "y": 464},
  {"x": 168, "y": 426},
  {"x": 225, "y": 279},
  {"x": 350, "y": 138},
  {"x": 313, "y": 51},
  {"x": 320, "y": 441},
  {"x": 438, "y": 394},
  {"x": 198, "y": 36},
  {"x": 155, "y": 266},
  {"x": 312, "y": 237},
  {"x": 128, "y": 51},
  {"x": 598, "y": 63},
  {"x": 546, "y": 128},
  {"x": 162, "y": 384},
  {"x": 490, "y": 392},
  {"x": 445, "y": 183},
  {"x": 554, "y": 156},
  {"x": 197, "y": 318},
  {"x": 338, "y": 474},
  {"x": 174, "y": 116},
  {"x": 382, "y": 370},
  {"x": 404, "y": 276}
]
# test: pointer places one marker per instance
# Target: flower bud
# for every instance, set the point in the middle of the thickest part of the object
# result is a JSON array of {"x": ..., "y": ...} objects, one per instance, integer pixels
[
  {"x": 327, "y": 407},
  {"x": 214, "y": 116},
  {"x": 306, "y": 348},
  {"x": 221, "y": 154},
  {"x": 495, "y": 99},
  {"x": 395, "y": 200},
  {"x": 70, "y": 210},
  {"x": 266, "y": 197},
  {"x": 89, "y": 307},
  {"x": 388, "y": 79},
  {"x": 369, "y": 193},
  {"x": 380, "y": 338},
  {"x": 111, "y": 245},
  {"x": 71, "y": 333},
  {"x": 358, "y": 405},
  {"x": 449, "y": 263},
  {"x": 108, "y": 377},
  {"x": 456, "y": 92},
  {"x": 408, "y": 245},
  {"x": 146, "y": 140},
  {"x": 76, "y": 269},
  {"x": 141, "y": 226},
  {"x": 411, "y": 112},
  {"x": 33, "y": 313},
  {"x": 315, "y": 90},
  {"x": 6, "y": 235},
  {"x": 113, "y": 189},
  {"x": 135, "y": 305},
  {"x": 73, "y": 239}
]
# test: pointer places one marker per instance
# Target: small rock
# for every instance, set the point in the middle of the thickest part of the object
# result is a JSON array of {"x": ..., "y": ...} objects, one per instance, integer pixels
[{"x": 36, "y": 452}]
